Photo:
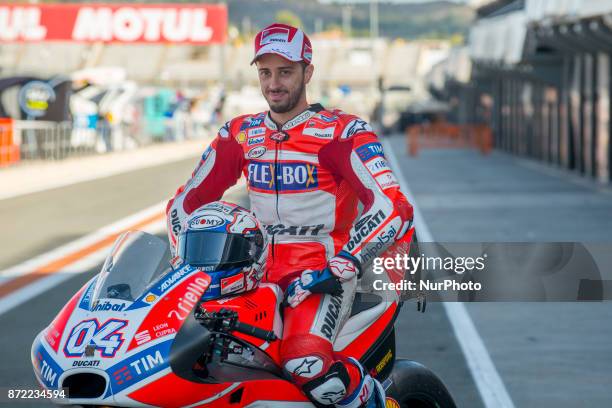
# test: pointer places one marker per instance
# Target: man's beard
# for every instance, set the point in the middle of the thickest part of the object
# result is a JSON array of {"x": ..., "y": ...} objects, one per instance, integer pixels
[{"x": 291, "y": 103}]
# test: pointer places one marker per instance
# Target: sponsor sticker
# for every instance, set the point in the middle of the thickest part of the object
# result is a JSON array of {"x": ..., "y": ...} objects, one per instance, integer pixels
[
  {"x": 48, "y": 371},
  {"x": 369, "y": 151},
  {"x": 256, "y": 152},
  {"x": 274, "y": 34},
  {"x": 325, "y": 133},
  {"x": 206, "y": 222},
  {"x": 386, "y": 180},
  {"x": 232, "y": 284},
  {"x": 391, "y": 403},
  {"x": 108, "y": 306},
  {"x": 377, "y": 165},
  {"x": 86, "y": 363},
  {"x": 295, "y": 176},
  {"x": 294, "y": 230},
  {"x": 255, "y": 140},
  {"x": 142, "y": 337},
  {"x": 256, "y": 131},
  {"x": 189, "y": 299},
  {"x": 138, "y": 366},
  {"x": 327, "y": 119},
  {"x": 279, "y": 136},
  {"x": 241, "y": 137},
  {"x": 364, "y": 227},
  {"x": 298, "y": 119},
  {"x": 327, "y": 324}
]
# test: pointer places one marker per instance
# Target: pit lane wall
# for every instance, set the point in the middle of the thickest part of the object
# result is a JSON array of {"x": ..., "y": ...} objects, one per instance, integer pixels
[{"x": 539, "y": 75}]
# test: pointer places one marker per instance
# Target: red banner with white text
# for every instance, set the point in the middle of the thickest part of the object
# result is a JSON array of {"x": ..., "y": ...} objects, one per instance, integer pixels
[{"x": 115, "y": 23}]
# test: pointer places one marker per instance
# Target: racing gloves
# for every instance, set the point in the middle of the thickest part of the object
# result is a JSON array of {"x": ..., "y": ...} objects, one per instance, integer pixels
[{"x": 341, "y": 268}]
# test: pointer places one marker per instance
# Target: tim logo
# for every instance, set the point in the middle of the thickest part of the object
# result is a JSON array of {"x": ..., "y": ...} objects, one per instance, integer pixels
[
  {"x": 274, "y": 34},
  {"x": 366, "y": 152},
  {"x": 289, "y": 176}
]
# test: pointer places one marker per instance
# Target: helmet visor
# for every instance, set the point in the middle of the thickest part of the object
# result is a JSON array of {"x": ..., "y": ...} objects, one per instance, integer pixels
[{"x": 219, "y": 250}]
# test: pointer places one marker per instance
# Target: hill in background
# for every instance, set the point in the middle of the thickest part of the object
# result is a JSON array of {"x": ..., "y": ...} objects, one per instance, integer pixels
[{"x": 436, "y": 19}]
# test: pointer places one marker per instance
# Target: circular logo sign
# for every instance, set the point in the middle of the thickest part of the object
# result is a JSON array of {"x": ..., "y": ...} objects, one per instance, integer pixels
[
  {"x": 256, "y": 152},
  {"x": 35, "y": 98}
]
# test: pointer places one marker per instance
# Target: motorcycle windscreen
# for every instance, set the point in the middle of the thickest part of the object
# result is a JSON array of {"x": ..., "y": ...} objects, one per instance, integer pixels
[
  {"x": 136, "y": 260},
  {"x": 218, "y": 249}
]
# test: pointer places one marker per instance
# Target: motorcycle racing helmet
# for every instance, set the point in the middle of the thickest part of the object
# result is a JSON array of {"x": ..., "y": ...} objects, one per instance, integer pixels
[{"x": 228, "y": 243}]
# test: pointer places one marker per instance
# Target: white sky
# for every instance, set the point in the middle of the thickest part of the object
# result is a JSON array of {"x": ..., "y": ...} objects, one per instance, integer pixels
[{"x": 389, "y": 1}]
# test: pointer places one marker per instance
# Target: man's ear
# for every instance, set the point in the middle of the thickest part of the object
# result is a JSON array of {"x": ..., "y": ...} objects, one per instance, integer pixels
[{"x": 308, "y": 71}]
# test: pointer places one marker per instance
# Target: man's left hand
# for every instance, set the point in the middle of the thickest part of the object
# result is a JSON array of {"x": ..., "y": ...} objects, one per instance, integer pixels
[
  {"x": 341, "y": 268},
  {"x": 344, "y": 266}
]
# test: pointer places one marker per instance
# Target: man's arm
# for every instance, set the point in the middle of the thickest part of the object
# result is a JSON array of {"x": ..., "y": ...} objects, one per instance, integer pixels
[
  {"x": 218, "y": 170},
  {"x": 358, "y": 158}
]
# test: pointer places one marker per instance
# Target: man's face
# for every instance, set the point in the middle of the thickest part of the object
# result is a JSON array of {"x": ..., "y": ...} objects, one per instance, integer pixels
[{"x": 282, "y": 82}]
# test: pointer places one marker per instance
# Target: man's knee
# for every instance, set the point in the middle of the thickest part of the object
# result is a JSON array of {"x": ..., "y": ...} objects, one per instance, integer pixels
[
  {"x": 308, "y": 361},
  {"x": 305, "y": 356}
]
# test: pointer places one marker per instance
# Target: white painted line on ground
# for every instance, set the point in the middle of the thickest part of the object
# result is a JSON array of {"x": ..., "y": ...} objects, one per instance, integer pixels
[
  {"x": 488, "y": 381},
  {"x": 44, "y": 284},
  {"x": 71, "y": 247},
  {"x": 79, "y": 264}
]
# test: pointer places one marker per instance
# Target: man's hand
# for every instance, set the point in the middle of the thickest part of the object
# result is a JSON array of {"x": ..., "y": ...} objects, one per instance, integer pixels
[
  {"x": 344, "y": 266},
  {"x": 319, "y": 281},
  {"x": 341, "y": 268}
]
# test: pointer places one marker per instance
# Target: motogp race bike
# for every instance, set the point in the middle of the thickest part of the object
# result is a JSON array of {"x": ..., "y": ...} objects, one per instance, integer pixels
[{"x": 138, "y": 334}]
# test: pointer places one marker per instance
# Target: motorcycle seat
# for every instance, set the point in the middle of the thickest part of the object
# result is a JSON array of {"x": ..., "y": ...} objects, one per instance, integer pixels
[{"x": 364, "y": 301}]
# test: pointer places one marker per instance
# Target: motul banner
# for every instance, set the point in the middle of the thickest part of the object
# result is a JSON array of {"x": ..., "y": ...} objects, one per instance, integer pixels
[{"x": 129, "y": 23}]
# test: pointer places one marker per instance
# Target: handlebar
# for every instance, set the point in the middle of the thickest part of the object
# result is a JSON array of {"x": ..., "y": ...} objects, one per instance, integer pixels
[
  {"x": 262, "y": 334},
  {"x": 226, "y": 320}
]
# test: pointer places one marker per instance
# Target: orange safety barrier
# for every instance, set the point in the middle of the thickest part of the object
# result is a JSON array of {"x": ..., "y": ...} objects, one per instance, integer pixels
[
  {"x": 9, "y": 151},
  {"x": 446, "y": 135}
]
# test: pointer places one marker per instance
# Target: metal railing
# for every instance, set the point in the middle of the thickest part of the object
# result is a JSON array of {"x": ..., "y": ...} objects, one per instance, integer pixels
[{"x": 40, "y": 140}]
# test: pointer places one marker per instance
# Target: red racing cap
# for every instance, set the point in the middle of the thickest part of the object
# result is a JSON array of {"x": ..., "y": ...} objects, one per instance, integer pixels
[{"x": 284, "y": 40}]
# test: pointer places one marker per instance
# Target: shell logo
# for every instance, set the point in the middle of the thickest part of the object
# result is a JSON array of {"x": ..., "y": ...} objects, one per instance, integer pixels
[
  {"x": 391, "y": 403},
  {"x": 241, "y": 137}
]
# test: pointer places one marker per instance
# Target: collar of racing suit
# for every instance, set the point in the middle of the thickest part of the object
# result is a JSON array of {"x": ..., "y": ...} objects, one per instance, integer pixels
[{"x": 296, "y": 120}]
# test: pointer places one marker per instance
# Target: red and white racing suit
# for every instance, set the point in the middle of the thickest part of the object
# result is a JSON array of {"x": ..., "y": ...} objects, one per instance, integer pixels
[{"x": 304, "y": 182}]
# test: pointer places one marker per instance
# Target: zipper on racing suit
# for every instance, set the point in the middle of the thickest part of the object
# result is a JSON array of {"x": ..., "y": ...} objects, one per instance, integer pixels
[{"x": 279, "y": 139}]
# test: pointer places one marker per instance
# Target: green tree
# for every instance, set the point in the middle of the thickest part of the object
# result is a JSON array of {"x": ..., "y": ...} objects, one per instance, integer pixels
[{"x": 288, "y": 17}]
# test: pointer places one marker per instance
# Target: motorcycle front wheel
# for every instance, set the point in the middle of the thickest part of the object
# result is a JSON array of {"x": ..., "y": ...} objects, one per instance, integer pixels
[{"x": 416, "y": 386}]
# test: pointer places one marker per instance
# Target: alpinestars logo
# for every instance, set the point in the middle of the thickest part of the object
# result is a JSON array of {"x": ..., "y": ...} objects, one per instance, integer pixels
[
  {"x": 306, "y": 367},
  {"x": 354, "y": 127}
]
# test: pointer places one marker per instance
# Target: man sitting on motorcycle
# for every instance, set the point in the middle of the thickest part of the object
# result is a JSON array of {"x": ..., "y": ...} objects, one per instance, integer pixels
[{"x": 307, "y": 168}]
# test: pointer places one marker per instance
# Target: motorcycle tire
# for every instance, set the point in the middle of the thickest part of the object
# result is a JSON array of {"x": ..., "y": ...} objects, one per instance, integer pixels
[{"x": 416, "y": 386}]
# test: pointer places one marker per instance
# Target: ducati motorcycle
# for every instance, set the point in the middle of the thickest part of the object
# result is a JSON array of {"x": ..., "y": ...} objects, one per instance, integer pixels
[{"x": 137, "y": 334}]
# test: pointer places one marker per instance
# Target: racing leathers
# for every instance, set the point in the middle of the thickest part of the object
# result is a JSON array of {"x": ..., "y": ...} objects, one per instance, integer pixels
[{"x": 305, "y": 180}]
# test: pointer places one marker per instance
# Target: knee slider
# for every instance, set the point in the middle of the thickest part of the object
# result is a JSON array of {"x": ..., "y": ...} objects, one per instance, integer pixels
[{"x": 329, "y": 388}]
